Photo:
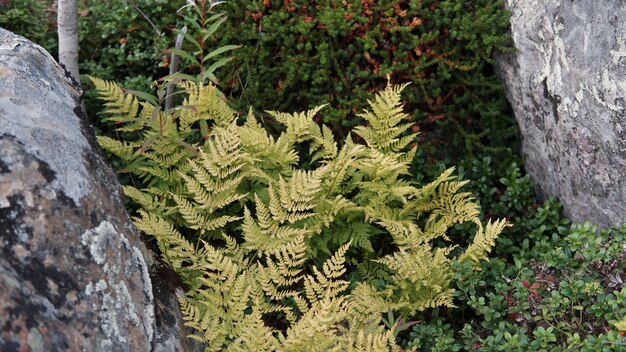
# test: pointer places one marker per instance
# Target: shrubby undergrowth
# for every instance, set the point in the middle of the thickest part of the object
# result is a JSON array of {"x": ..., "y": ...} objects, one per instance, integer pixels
[
  {"x": 33, "y": 19},
  {"x": 549, "y": 285},
  {"x": 298, "y": 54}
]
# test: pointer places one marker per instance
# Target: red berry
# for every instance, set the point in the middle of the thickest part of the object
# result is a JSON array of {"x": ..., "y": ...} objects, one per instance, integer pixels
[{"x": 622, "y": 333}]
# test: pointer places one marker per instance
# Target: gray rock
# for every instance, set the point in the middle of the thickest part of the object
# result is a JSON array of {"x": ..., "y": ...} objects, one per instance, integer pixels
[
  {"x": 567, "y": 85},
  {"x": 74, "y": 274}
]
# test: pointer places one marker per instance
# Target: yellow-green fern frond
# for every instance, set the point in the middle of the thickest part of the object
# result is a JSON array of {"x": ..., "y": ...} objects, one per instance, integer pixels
[
  {"x": 223, "y": 156},
  {"x": 235, "y": 251},
  {"x": 155, "y": 173},
  {"x": 167, "y": 157},
  {"x": 382, "y": 166},
  {"x": 147, "y": 201},
  {"x": 484, "y": 240},
  {"x": 270, "y": 155},
  {"x": 203, "y": 103},
  {"x": 373, "y": 340},
  {"x": 294, "y": 199},
  {"x": 207, "y": 326},
  {"x": 319, "y": 328},
  {"x": 337, "y": 170},
  {"x": 368, "y": 305},
  {"x": 323, "y": 146},
  {"x": 327, "y": 211},
  {"x": 198, "y": 220},
  {"x": 424, "y": 196},
  {"x": 266, "y": 234},
  {"x": 385, "y": 130},
  {"x": 281, "y": 271},
  {"x": 121, "y": 106},
  {"x": 172, "y": 244},
  {"x": 273, "y": 220},
  {"x": 421, "y": 276},
  {"x": 300, "y": 126},
  {"x": 215, "y": 179},
  {"x": 122, "y": 149},
  {"x": 254, "y": 335},
  {"x": 452, "y": 208},
  {"x": 326, "y": 282}
]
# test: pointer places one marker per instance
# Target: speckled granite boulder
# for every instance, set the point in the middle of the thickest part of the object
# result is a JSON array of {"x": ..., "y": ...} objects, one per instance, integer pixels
[
  {"x": 567, "y": 85},
  {"x": 74, "y": 275}
]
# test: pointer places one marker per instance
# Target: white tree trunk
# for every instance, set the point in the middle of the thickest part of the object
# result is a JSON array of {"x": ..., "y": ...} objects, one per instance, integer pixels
[{"x": 68, "y": 36}]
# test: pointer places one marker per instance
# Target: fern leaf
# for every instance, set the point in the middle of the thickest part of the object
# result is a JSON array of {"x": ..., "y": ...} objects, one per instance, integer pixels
[
  {"x": 484, "y": 240},
  {"x": 326, "y": 282},
  {"x": 384, "y": 130},
  {"x": 123, "y": 150}
]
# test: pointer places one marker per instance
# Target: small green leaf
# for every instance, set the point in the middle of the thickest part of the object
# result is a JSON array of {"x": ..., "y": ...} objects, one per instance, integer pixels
[
  {"x": 192, "y": 22},
  {"x": 214, "y": 17},
  {"x": 221, "y": 50},
  {"x": 145, "y": 96},
  {"x": 216, "y": 65},
  {"x": 213, "y": 78},
  {"x": 179, "y": 76},
  {"x": 185, "y": 55},
  {"x": 214, "y": 27},
  {"x": 192, "y": 40}
]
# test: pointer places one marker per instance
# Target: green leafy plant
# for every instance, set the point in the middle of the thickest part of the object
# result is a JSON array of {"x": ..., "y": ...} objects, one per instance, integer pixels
[
  {"x": 265, "y": 230},
  {"x": 299, "y": 54},
  {"x": 200, "y": 63},
  {"x": 205, "y": 22}
]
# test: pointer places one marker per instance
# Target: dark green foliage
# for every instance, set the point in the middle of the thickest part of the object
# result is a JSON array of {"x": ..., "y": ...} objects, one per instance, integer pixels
[
  {"x": 299, "y": 54},
  {"x": 512, "y": 197},
  {"x": 119, "y": 42},
  {"x": 33, "y": 19}
]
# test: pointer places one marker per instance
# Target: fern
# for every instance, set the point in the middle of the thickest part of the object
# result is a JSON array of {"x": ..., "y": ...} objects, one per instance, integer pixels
[
  {"x": 328, "y": 280},
  {"x": 484, "y": 240},
  {"x": 292, "y": 228}
]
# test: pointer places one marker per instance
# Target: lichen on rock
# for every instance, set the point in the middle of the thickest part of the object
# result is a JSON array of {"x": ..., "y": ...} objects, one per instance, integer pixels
[
  {"x": 566, "y": 83},
  {"x": 74, "y": 273}
]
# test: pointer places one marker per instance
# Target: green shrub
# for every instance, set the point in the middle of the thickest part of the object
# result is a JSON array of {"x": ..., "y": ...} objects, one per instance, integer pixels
[
  {"x": 299, "y": 54},
  {"x": 531, "y": 292},
  {"x": 512, "y": 196},
  {"x": 33, "y": 19},
  {"x": 567, "y": 295}
]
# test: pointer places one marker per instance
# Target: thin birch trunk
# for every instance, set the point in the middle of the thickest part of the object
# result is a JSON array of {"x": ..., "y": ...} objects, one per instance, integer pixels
[{"x": 68, "y": 36}]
